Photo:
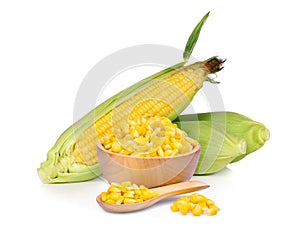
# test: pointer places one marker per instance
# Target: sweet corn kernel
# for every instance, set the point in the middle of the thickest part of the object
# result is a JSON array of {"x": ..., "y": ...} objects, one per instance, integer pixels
[
  {"x": 116, "y": 147},
  {"x": 211, "y": 211},
  {"x": 197, "y": 210},
  {"x": 174, "y": 208},
  {"x": 115, "y": 195},
  {"x": 110, "y": 201},
  {"x": 185, "y": 208},
  {"x": 103, "y": 196}
]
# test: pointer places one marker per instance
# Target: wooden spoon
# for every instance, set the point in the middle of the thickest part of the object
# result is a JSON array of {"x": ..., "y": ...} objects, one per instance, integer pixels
[{"x": 163, "y": 192}]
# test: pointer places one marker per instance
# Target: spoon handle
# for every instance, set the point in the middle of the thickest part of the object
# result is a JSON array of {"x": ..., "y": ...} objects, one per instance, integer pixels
[{"x": 180, "y": 188}]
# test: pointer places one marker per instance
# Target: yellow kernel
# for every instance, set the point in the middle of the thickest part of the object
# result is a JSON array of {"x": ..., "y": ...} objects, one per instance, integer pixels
[
  {"x": 167, "y": 147},
  {"x": 175, "y": 144},
  {"x": 193, "y": 198},
  {"x": 170, "y": 134},
  {"x": 110, "y": 201},
  {"x": 211, "y": 211},
  {"x": 129, "y": 201},
  {"x": 197, "y": 198},
  {"x": 197, "y": 210},
  {"x": 168, "y": 153},
  {"x": 178, "y": 203},
  {"x": 103, "y": 196},
  {"x": 185, "y": 208},
  {"x": 134, "y": 133},
  {"x": 153, "y": 154},
  {"x": 105, "y": 140},
  {"x": 209, "y": 202},
  {"x": 113, "y": 188},
  {"x": 107, "y": 146},
  {"x": 160, "y": 152},
  {"x": 148, "y": 135},
  {"x": 214, "y": 207},
  {"x": 132, "y": 123},
  {"x": 128, "y": 194},
  {"x": 120, "y": 200},
  {"x": 116, "y": 147},
  {"x": 140, "y": 140},
  {"x": 137, "y": 192},
  {"x": 174, "y": 208},
  {"x": 114, "y": 195},
  {"x": 203, "y": 205}
]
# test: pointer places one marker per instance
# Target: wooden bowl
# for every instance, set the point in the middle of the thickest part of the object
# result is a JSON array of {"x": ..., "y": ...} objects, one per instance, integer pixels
[{"x": 148, "y": 171}]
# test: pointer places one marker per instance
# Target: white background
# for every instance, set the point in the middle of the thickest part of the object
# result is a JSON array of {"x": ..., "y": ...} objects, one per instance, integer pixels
[{"x": 47, "y": 48}]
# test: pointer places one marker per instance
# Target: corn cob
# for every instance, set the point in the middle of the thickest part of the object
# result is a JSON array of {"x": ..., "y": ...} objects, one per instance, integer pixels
[
  {"x": 255, "y": 133},
  {"x": 73, "y": 157},
  {"x": 218, "y": 147}
]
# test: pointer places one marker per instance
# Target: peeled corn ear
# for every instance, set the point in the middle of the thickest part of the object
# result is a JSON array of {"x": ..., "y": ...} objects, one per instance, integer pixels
[
  {"x": 217, "y": 147},
  {"x": 255, "y": 133},
  {"x": 167, "y": 93}
]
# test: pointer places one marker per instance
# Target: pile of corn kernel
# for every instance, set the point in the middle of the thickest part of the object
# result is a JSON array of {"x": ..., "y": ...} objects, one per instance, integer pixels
[
  {"x": 126, "y": 193},
  {"x": 196, "y": 203},
  {"x": 149, "y": 136}
]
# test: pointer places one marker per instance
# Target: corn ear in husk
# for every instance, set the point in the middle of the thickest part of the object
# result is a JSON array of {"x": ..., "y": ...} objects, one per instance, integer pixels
[
  {"x": 217, "y": 147},
  {"x": 255, "y": 133}
]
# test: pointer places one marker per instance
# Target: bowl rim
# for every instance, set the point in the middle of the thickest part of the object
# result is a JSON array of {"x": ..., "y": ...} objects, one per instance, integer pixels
[{"x": 194, "y": 151}]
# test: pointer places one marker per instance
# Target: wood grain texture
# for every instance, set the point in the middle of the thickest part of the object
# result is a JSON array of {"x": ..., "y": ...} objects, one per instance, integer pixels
[{"x": 148, "y": 171}]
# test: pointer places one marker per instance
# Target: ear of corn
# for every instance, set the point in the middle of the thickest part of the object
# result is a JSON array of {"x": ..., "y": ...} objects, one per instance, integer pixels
[
  {"x": 255, "y": 133},
  {"x": 217, "y": 147},
  {"x": 74, "y": 158},
  {"x": 167, "y": 93}
]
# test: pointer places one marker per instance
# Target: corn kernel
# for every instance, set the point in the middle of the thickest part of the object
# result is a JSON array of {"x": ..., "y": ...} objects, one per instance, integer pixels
[
  {"x": 115, "y": 195},
  {"x": 116, "y": 147},
  {"x": 160, "y": 152},
  {"x": 113, "y": 189},
  {"x": 185, "y": 208},
  {"x": 108, "y": 146},
  {"x": 129, "y": 201},
  {"x": 174, "y": 208},
  {"x": 103, "y": 196},
  {"x": 197, "y": 210},
  {"x": 211, "y": 211},
  {"x": 120, "y": 200},
  {"x": 209, "y": 202},
  {"x": 110, "y": 201},
  {"x": 167, "y": 147},
  {"x": 139, "y": 200},
  {"x": 168, "y": 153}
]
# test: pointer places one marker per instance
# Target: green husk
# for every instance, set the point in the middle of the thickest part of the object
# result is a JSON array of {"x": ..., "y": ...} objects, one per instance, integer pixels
[
  {"x": 255, "y": 133},
  {"x": 217, "y": 147}
]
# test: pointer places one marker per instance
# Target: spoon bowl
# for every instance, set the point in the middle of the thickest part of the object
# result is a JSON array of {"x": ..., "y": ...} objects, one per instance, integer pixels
[{"x": 163, "y": 192}]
